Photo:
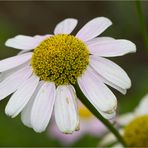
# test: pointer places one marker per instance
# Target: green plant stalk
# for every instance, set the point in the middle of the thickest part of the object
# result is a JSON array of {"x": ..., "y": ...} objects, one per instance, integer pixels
[
  {"x": 142, "y": 22},
  {"x": 85, "y": 101}
]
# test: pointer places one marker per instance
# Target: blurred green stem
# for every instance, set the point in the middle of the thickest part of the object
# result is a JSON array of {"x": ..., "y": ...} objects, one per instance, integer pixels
[
  {"x": 142, "y": 22},
  {"x": 85, "y": 101}
]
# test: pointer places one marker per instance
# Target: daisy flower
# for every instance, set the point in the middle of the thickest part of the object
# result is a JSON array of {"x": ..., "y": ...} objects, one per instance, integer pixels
[
  {"x": 133, "y": 127},
  {"x": 41, "y": 77},
  {"x": 88, "y": 123}
]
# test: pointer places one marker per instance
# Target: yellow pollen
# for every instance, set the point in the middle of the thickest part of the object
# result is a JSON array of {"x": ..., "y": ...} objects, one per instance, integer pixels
[
  {"x": 84, "y": 112},
  {"x": 61, "y": 59},
  {"x": 136, "y": 132}
]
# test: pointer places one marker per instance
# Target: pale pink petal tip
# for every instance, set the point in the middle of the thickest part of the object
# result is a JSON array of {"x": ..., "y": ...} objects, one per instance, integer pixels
[
  {"x": 66, "y": 26},
  {"x": 93, "y": 28},
  {"x": 66, "y": 113},
  {"x": 42, "y": 107}
]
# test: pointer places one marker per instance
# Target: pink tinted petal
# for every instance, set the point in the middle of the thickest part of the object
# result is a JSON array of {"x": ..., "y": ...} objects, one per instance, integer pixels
[
  {"x": 14, "y": 61},
  {"x": 43, "y": 106},
  {"x": 121, "y": 90},
  {"x": 97, "y": 93},
  {"x": 110, "y": 71},
  {"x": 26, "y": 112},
  {"x": 12, "y": 82},
  {"x": 24, "y": 42},
  {"x": 110, "y": 115},
  {"x": 21, "y": 97},
  {"x": 66, "y": 26},
  {"x": 93, "y": 28},
  {"x": 65, "y": 109},
  {"x": 112, "y": 48},
  {"x": 40, "y": 38},
  {"x": 7, "y": 73},
  {"x": 65, "y": 139},
  {"x": 99, "y": 39}
]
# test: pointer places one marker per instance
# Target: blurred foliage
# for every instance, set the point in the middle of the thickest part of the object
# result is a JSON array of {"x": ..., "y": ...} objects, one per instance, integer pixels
[{"x": 31, "y": 18}]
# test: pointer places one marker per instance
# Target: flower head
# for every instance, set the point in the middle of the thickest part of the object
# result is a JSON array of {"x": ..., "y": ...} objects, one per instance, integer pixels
[
  {"x": 60, "y": 59},
  {"x": 136, "y": 132},
  {"x": 42, "y": 75},
  {"x": 133, "y": 127}
]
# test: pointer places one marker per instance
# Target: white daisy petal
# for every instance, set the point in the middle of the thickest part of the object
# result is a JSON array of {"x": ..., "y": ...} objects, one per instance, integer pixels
[
  {"x": 42, "y": 107},
  {"x": 66, "y": 113},
  {"x": 22, "y": 52},
  {"x": 126, "y": 118},
  {"x": 26, "y": 112},
  {"x": 110, "y": 71},
  {"x": 112, "y": 48},
  {"x": 40, "y": 38},
  {"x": 15, "y": 61},
  {"x": 66, "y": 26},
  {"x": 24, "y": 42},
  {"x": 7, "y": 73},
  {"x": 21, "y": 97},
  {"x": 1, "y": 76},
  {"x": 117, "y": 145},
  {"x": 97, "y": 92},
  {"x": 93, "y": 28},
  {"x": 11, "y": 83},
  {"x": 121, "y": 90},
  {"x": 99, "y": 39},
  {"x": 142, "y": 108},
  {"x": 109, "y": 138},
  {"x": 108, "y": 116}
]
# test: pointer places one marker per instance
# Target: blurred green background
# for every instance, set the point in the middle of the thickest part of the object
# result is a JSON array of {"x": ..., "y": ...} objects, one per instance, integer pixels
[{"x": 31, "y": 18}]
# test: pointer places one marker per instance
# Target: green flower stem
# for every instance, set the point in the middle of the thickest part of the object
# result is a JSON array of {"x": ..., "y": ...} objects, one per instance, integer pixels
[
  {"x": 85, "y": 101},
  {"x": 142, "y": 22}
]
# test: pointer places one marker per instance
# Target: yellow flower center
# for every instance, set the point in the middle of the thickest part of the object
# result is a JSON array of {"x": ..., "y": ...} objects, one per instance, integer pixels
[
  {"x": 84, "y": 112},
  {"x": 61, "y": 59},
  {"x": 136, "y": 132}
]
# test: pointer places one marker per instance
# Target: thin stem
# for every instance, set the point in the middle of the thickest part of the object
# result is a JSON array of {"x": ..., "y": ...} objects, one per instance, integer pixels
[
  {"x": 85, "y": 101},
  {"x": 142, "y": 22}
]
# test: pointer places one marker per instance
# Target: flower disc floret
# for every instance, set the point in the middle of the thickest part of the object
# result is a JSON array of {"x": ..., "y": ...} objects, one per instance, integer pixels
[
  {"x": 136, "y": 132},
  {"x": 61, "y": 59},
  {"x": 85, "y": 113}
]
